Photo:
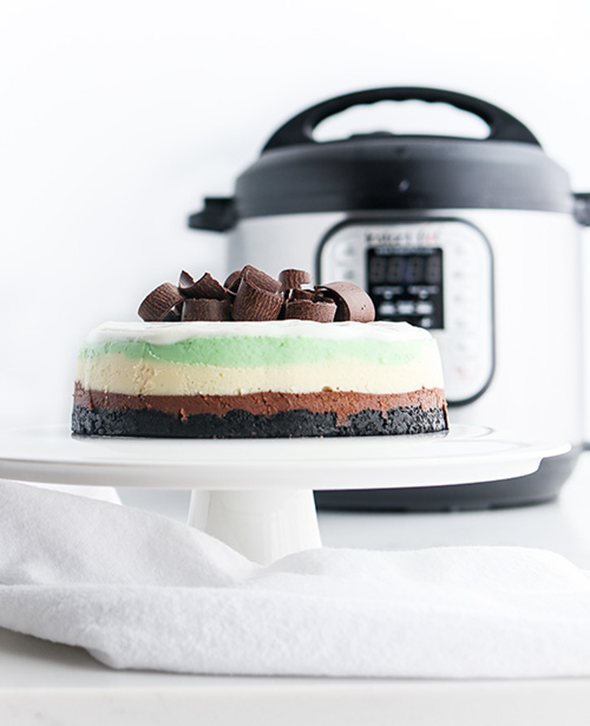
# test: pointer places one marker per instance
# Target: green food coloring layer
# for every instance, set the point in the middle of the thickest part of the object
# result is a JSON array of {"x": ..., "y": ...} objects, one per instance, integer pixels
[{"x": 246, "y": 351}]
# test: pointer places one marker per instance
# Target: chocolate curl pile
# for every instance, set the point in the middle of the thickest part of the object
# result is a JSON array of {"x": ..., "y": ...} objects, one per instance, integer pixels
[{"x": 251, "y": 294}]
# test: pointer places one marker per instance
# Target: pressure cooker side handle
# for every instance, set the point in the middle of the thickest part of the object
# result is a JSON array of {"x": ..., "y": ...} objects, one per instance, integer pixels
[
  {"x": 299, "y": 130},
  {"x": 218, "y": 215},
  {"x": 582, "y": 208}
]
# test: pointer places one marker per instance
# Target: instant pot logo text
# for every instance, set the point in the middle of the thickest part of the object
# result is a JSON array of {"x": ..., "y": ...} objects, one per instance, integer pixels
[{"x": 408, "y": 237}]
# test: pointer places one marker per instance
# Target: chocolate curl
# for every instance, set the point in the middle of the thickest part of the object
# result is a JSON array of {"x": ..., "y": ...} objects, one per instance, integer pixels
[
  {"x": 185, "y": 280},
  {"x": 255, "y": 303},
  {"x": 306, "y": 295},
  {"x": 260, "y": 279},
  {"x": 322, "y": 311},
  {"x": 293, "y": 279},
  {"x": 173, "y": 316},
  {"x": 206, "y": 310},
  {"x": 161, "y": 304},
  {"x": 205, "y": 287},
  {"x": 352, "y": 301},
  {"x": 233, "y": 281}
]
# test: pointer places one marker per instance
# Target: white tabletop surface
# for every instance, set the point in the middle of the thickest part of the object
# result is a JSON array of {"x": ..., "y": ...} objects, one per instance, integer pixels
[{"x": 45, "y": 683}]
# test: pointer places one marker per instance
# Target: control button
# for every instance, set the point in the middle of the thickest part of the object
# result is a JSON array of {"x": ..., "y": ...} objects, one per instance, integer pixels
[
  {"x": 466, "y": 370},
  {"x": 386, "y": 308},
  {"x": 345, "y": 252},
  {"x": 465, "y": 323},
  {"x": 344, "y": 273},
  {"x": 466, "y": 344},
  {"x": 460, "y": 298},
  {"x": 424, "y": 308},
  {"x": 406, "y": 307}
]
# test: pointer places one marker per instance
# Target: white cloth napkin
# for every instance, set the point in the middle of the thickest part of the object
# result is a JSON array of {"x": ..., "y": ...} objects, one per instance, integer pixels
[
  {"x": 138, "y": 590},
  {"x": 104, "y": 494}
]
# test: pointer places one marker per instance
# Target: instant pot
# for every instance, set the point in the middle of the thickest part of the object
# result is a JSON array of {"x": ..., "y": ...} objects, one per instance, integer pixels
[{"x": 477, "y": 240}]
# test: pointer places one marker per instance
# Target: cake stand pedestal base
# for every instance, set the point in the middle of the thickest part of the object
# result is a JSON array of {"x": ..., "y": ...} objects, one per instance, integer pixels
[{"x": 262, "y": 525}]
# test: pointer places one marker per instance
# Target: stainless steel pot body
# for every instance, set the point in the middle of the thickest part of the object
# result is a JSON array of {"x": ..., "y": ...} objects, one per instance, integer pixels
[{"x": 531, "y": 307}]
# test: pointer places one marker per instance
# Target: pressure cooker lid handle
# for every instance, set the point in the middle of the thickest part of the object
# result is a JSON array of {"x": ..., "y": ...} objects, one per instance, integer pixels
[{"x": 299, "y": 130}]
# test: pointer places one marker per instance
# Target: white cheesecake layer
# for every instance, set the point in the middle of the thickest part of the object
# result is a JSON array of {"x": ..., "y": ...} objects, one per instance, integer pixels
[{"x": 118, "y": 374}]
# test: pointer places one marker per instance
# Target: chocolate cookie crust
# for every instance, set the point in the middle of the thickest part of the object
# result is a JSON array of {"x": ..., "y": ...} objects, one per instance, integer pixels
[{"x": 239, "y": 424}]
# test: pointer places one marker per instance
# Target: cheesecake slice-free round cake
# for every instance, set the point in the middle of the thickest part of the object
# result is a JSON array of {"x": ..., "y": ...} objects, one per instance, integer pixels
[
  {"x": 286, "y": 378},
  {"x": 240, "y": 372}
]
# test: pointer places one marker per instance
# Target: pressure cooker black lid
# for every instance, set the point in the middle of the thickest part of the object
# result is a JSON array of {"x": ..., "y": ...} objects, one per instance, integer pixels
[{"x": 296, "y": 174}]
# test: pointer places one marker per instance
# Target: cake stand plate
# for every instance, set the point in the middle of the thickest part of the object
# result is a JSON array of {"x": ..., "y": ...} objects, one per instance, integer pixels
[{"x": 257, "y": 494}]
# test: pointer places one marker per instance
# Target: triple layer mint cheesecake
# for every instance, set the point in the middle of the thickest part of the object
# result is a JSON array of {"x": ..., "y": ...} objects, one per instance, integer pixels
[{"x": 258, "y": 378}]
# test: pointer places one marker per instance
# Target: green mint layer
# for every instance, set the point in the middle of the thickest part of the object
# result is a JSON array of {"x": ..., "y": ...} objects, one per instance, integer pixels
[{"x": 249, "y": 351}]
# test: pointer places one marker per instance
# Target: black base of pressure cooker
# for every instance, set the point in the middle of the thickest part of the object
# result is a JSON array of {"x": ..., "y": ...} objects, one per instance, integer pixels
[{"x": 542, "y": 486}]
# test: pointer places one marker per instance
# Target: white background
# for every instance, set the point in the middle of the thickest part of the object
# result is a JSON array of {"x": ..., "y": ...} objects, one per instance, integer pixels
[{"x": 118, "y": 117}]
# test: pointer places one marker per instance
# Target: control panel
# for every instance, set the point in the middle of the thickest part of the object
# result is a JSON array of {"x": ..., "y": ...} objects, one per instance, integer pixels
[{"x": 436, "y": 274}]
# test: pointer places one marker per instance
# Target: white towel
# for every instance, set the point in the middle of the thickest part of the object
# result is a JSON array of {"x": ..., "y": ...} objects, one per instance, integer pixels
[
  {"x": 104, "y": 494},
  {"x": 138, "y": 590}
]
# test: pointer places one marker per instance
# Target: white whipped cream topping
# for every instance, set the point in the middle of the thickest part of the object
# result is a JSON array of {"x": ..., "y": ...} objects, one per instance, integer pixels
[{"x": 170, "y": 333}]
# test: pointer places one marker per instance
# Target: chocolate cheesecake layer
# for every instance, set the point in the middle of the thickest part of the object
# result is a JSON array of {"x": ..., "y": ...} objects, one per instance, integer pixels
[
  {"x": 259, "y": 415},
  {"x": 265, "y": 403}
]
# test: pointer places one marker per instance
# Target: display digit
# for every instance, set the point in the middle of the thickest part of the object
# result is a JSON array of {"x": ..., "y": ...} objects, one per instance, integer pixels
[
  {"x": 395, "y": 270},
  {"x": 432, "y": 274},
  {"x": 377, "y": 270},
  {"x": 414, "y": 269}
]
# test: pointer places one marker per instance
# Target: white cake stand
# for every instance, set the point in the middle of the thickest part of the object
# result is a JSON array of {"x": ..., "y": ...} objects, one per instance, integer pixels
[{"x": 257, "y": 495}]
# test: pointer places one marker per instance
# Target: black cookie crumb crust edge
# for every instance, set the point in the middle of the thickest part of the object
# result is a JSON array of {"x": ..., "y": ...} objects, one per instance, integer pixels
[{"x": 244, "y": 425}]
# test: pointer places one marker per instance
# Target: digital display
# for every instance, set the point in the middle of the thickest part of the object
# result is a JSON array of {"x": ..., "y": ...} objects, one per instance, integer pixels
[{"x": 406, "y": 283}]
